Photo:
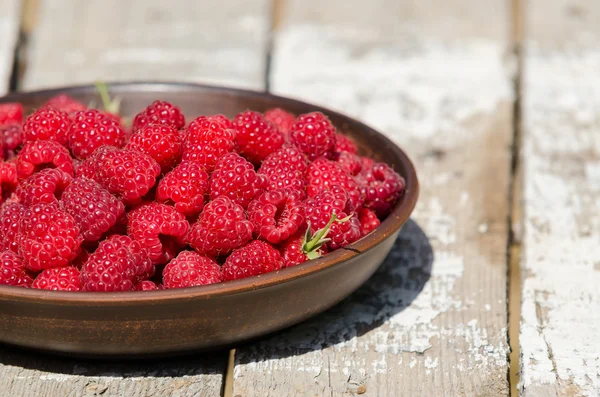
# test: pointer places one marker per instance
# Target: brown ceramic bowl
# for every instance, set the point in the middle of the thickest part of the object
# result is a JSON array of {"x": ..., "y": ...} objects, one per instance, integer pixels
[{"x": 202, "y": 318}]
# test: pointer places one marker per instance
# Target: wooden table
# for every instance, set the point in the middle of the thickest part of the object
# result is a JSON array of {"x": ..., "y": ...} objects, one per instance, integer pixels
[{"x": 497, "y": 102}]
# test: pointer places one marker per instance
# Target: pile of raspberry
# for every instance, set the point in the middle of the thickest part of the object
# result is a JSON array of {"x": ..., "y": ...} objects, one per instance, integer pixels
[{"x": 93, "y": 202}]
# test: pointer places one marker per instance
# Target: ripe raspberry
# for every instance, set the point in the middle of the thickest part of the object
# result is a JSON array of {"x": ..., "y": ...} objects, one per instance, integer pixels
[
  {"x": 160, "y": 229},
  {"x": 65, "y": 103},
  {"x": 367, "y": 163},
  {"x": 382, "y": 187},
  {"x": 281, "y": 119},
  {"x": 344, "y": 143},
  {"x": 91, "y": 129},
  {"x": 12, "y": 138},
  {"x": 37, "y": 155},
  {"x": 293, "y": 249},
  {"x": 126, "y": 173},
  {"x": 46, "y": 186},
  {"x": 221, "y": 227},
  {"x": 12, "y": 270},
  {"x": 159, "y": 112},
  {"x": 161, "y": 142},
  {"x": 322, "y": 174},
  {"x": 48, "y": 237},
  {"x": 253, "y": 259},
  {"x": 368, "y": 221},
  {"x": 47, "y": 124},
  {"x": 8, "y": 178},
  {"x": 88, "y": 167},
  {"x": 256, "y": 137},
  {"x": 190, "y": 269},
  {"x": 58, "y": 279},
  {"x": 95, "y": 210},
  {"x": 223, "y": 120},
  {"x": 314, "y": 134},
  {"x": 235, "y": 178},
  {"x": 184, "y": 187},
  {"x": 117, "y": 265},
  {"x": 207, "y": 139},
  {"x": 351, "y": 163},
  {"x": 145, "y": 285},
  {"x": 10, "y": 215},
  {"x": 11, "y": 113},
  {"x": 285, "y": 168},
  {"x": 276, "y": 215}
]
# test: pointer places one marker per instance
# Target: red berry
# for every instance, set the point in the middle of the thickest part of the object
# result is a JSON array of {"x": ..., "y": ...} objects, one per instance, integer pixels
[
  {"x": 117, "y": 265},
  {"x": 236, "y": 178},
  {"x": 12, "y": 270},
  {"x": 351, "y": 163},
  {"x": 344, "y": 143},
  {"x": 58, "y": 279},
  {"x": 46, "y": 186},
  {"x": 37, "y": 155},
  {"x": 207, "y": 139},
  {"x": 276, "y": 215},
  {"x": 95, "y": 210},
  {"x": 281, "y": 119},
  {"x": 285, "y": 168},
  {"x": 368, "y": 221},
  {"x": 223, "y": 120},
  {"x": 91, "y": 129},
  {"x": 11, "y": 113},
  {"x": 12, "y": 137},
  {"x": 221, "y": 227},
  {"x": 292, "y": 250},
  {"x": 367, "y": 163},
  {"x": 8, "y": 178},
  {"x": 253, "y": 259},
  {"x": 160, "y": 229},
  {"x": 322, "y": 174},
  {"x": 87, "y": 168},
  {"x": 161, "y": 142},
  {"x": 256, "y": 137},
  {"x": 314, "y": 134},
  {"x": 382, "y": 187},
  {"x": 48, "y": 237},
  {"x": 47, "y": 124},
  {"x": 65, "y": 103},
  {"x": 159, "y": 112},
  {"x": 10, "y": 216},
  {"x": 184, "y": 187},
  {"x": 190, "y": 269},
  {"x": 145, "y": 285}
]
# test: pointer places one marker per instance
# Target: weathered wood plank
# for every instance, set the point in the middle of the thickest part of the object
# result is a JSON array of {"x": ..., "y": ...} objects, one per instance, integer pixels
[
  {"x": 560, "y": 320},
  {"x": 10, "y": 16},
  {"x": 433, "y": 76},
  {"x": 203, "y": 41}
]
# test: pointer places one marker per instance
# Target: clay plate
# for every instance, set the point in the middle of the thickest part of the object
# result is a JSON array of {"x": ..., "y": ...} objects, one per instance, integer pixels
[{"x": 210, "y": 317}]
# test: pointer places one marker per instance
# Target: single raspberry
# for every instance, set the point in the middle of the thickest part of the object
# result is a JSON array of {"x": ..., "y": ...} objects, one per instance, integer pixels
[
  {"x": 276, "y": 215},
  {"x": 37, "y": 155},
  {"x": 46, "y": 186},
  {"x": 58, "y": 279},
  {"x": 47, "y": 124},
  {"x": 65, "y": 103},
  {"x": 12, "y": 137},
  {"x": 207, "y": 139},
  {"x": 10, "y": 216},
  {"x": 159, "y": 112},
  {"x": 8, "y": 178},
  {"x": 382, "y": 187},
  {"x": 95, "y": 210},
  {"x": 88, "y": 167},
  {"x": 221, "y": 227},
  {"x": 236, "y": 178},
  {"x": 253, "y": 259},
  {"x": 223, "y": 120},
  {"x": 161, "y": 142},
  {"x": 281, "y": 119},
  {"x": 160, "y": 229},
  {"x": 11, "y": 113},
  {"x": 126, "y": 173},
  {"x": 285, "y": 168},
  {"x": 117, "y": 265},
  {"x": 184, "y": 187},
  {"x": 256, "y": 137},
  {"x": 48, "y": 237},
  {"x": 314, "y": 134},
  {"x": 351, "y": 163},
  {"x": 302, "y": 247},
  {"x": 344, "y": 143},
  {"x": 12, "y": 270},
  {"x": 145, "y": 285},
  {"x": 322, "y": 174},
  {"x": 190, "y": 269},
  {"x": 91, "y": 129},
  {"x": 368, "y": 221}
]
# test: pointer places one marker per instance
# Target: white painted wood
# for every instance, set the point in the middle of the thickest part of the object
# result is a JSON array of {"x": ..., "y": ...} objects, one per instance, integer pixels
[
  {"x": 436, "y": 78},
  {"x": 210, "y": 41},
  {"x": 560, "y": 315},
  {"x": 10, "y": 16}
]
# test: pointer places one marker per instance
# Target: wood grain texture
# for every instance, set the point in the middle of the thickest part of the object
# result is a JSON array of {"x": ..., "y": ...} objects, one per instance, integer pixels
[
  {"x": 436, "y": 77},
  {"x": 10, "y": 15},
  {"x": 203, "y": 41},
  {"x": 560, "y": 320}
]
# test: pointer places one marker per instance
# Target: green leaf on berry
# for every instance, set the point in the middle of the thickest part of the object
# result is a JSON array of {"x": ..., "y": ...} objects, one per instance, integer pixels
[{"x": 312, "y": 244}]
